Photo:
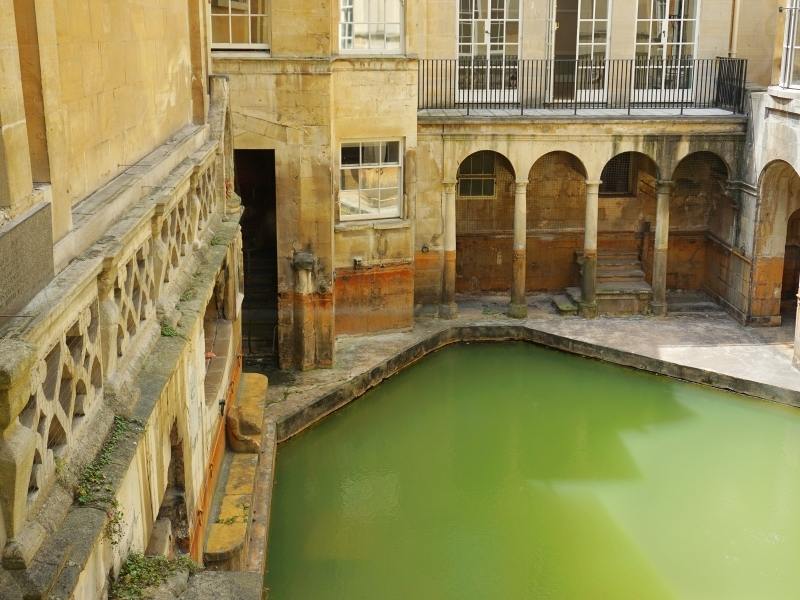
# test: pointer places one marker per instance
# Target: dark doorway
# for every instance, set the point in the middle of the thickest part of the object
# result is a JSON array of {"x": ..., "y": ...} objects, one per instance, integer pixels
[
  {"x": 255, "y": 183},
  {"x": 564, "y": 51},
  {"x": 791, "y": 267}
]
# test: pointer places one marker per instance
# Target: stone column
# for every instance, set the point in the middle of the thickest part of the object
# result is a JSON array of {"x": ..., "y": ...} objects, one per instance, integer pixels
[
  {"x": 589, "y": 283},
  {"x": 796, "y": 360},
  {"x": 663, "y": 196},
  {"x": 519, "y": 304},
  {"x": 448, "y": 308}
]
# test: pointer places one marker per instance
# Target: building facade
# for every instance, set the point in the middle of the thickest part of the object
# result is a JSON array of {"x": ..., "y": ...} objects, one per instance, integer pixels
[
  {"x": 391, "y": 155},
  {"x": 120, "y": 287},
  {"x": 422, "y": 150}
]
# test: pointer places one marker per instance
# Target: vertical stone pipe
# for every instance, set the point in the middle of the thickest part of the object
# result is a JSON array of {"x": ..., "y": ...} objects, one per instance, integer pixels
[
  {"x": 663, "y": 197},
  {"x": 589, "y": 282},
  {"x": 519, "y": 304},
  {"x": 448, "y": 308}
]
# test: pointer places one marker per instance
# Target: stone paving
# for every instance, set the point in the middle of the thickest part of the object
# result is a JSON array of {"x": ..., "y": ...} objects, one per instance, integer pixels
[{"x": 713, "y": 342}]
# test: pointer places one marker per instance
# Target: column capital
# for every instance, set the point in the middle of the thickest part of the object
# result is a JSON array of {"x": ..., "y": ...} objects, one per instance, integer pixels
[
  {"x": 664, "y": 186},
  {"x": 593, "y": 183},
  {"x": 520, "y": 185},
  {"x": 449, "y": 186}
]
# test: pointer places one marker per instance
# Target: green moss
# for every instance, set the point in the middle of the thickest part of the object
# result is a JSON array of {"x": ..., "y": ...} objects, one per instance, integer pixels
[
  {"x": 140, "y": 572},
  {"x": 168, "y": 330},
  {"x": 94, "y": 487}
]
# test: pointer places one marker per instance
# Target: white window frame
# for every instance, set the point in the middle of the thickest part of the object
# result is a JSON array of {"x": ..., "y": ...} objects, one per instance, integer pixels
[
  {"x": 363, "y": 166},
  {"x": 345, "y": 5},
  {"x": 478, "y": 82},
  {"x": 649, "y": 93},
  {"x": 791, "y": 45},
  {"x": 249, "y": 17}
]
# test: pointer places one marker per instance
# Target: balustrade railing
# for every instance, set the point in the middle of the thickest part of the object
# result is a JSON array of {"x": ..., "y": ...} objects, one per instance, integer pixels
[
  {"x": 468, "y": 84},
  {"x": 87, "y": 325}
]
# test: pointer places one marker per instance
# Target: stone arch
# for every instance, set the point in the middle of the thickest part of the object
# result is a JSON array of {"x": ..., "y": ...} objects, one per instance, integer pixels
[
  {"x": 720, "y": 154},
  {"x": 626, "y": 219},
  {"x": 484, "y": 222},
  {"x": 779, "y": 191},
  {"x": 556, "y": 216}
]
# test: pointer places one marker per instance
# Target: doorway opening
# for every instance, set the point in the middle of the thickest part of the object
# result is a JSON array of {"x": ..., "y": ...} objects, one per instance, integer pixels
[
  {"x": 255, "y": 183},
  {"x": 791, "y": 268},
  {"x": 580, "y": 48}
]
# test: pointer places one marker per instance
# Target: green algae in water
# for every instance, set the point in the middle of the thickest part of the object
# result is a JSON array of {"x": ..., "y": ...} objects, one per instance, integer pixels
[{"x": 511, "y": 471}]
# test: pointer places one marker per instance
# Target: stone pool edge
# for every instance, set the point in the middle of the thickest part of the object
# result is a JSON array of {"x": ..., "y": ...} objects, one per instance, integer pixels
[{"x": 285, "y": 419}]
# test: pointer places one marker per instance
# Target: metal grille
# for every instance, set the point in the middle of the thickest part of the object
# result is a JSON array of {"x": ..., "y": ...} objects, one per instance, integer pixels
[
  {"x": 491, "y": 210},
  {"x": 617, "y": 176}
]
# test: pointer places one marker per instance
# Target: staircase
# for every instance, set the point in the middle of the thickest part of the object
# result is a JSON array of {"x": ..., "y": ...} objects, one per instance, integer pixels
[
  {"x": 621, "y": 288},
  {"x": 260, "y": 305}
]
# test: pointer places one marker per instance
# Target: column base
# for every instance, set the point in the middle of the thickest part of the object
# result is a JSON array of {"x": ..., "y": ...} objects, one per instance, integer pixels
[
  {"x": 588, "y": 310},
  {"x": 518, "y": 311},
  {"x": 659, "y": 310},
  {"x": 448, "y": 311}
]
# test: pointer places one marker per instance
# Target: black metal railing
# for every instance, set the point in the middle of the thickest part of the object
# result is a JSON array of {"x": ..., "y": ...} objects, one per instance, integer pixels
[{"x": 466, "y": 84}]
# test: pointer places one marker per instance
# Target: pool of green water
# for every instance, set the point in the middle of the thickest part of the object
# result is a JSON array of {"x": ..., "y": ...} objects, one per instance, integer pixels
[{"x": 512, "y": 471}]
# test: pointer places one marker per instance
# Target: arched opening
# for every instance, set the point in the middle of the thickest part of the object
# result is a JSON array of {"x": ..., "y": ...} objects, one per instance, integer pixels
[
  {"x": 791, "y": 268},
  {"x": 775, "y": 278},
  {"x": 556, "y": 215},
  {"x": 484, "y": 223},
  {"x": 171, "y": 528},
  {"x": 626, "y": 217},
  {"x": 703, "y": 261}
]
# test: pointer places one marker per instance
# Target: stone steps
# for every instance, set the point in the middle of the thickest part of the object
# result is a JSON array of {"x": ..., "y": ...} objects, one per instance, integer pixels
[
  {"x": 226, "y": 544},
  {"x": 565, "y": 305},
  {"x": 691, "y": 303}
]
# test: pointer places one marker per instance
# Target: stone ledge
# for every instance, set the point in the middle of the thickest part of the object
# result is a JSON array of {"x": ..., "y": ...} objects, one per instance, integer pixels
[{"x": 292, "y": 416}]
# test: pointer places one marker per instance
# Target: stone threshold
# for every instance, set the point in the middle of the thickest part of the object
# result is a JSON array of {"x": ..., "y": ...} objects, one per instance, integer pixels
[{"x": 300, "y": 404}]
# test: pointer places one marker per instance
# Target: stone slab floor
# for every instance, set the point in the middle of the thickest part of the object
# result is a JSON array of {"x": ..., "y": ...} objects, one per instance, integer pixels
[{"x": 710, "y": 341}]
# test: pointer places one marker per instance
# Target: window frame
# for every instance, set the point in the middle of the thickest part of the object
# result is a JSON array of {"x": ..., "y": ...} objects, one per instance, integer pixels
[
  {"x": 371, "y": 51},
  {"x": 366, "y": 217},
  {"x": 483, "y": 177},
  {"x": 250, "y": 17},
  {"x": 790, "y": 48}
]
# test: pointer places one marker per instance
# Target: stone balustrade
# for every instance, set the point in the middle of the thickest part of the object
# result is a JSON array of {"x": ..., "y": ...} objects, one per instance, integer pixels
[{"x": 88, "y": 328}]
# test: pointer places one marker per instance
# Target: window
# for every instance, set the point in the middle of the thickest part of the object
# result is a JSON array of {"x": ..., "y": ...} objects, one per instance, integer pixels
[
  {"x": 372, "y": 26},
  {"x": 665, "y": 44},
  {"x": 790, "y": 65},
  {"x": 476, "y": 176},
  {"x": 240, "y": 24},
  {"x": 371, "y": 183},
  {"x": 617, "y": 177},
  {"x": 488, "y": 44}
]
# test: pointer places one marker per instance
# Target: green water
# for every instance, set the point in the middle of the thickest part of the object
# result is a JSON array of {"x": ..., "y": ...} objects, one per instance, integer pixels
[{"x": 510, "y": 471}]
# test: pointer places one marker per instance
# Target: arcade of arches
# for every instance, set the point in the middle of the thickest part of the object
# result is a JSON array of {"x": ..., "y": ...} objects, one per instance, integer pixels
[{"x": 615, "y": 246}]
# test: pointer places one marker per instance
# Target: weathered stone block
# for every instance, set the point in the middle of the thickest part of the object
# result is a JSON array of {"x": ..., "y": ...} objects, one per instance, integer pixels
[{"x": 26, "y": 258}]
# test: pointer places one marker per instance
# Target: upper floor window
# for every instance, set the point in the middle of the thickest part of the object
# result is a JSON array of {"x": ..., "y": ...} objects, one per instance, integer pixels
[
  {"x": 371, "y": 26},
  {"x": 371, "y": 181},
  {"x": 790, "y": 66},
  {"x": 240, "y": 24}
]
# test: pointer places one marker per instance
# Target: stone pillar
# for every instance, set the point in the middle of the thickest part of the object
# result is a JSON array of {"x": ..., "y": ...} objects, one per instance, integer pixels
[
  {"x": 519, "y": 304},
  {"x": 589, "y": 282},
  {"x": 16, "y": 180},
  {"x": 448, "y": 308},
  {"x": 663, "y": 195}
]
